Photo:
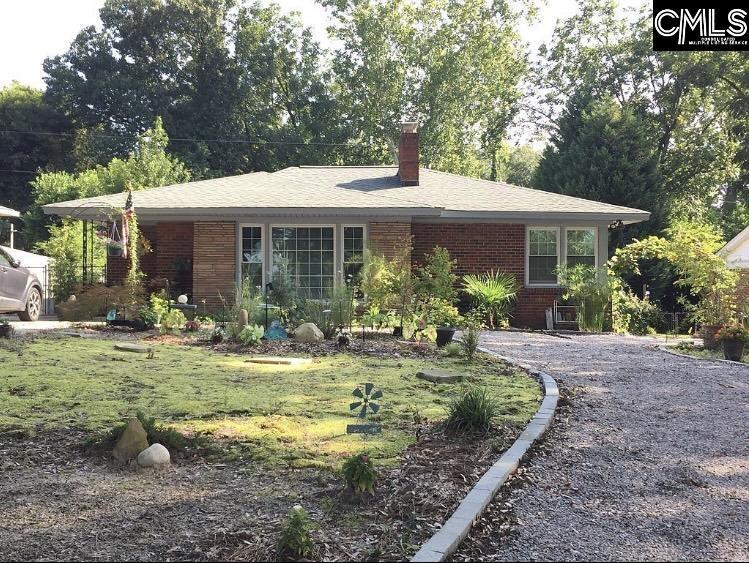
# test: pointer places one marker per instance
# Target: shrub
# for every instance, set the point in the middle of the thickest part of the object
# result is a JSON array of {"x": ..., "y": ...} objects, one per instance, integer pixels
[
  {"x": 95, "y": 301},
  {"x": 218, "y": 335},
  {"x": 192, "y": 325},
  {"x": 314, "y": 311},
  {"x": 440, "y": 312},
  {"x": 471, "y": 336},
  {"x": 360, "y": 473},
  {"x": 589, "y": 289},
  {"x": 493, "y": 293},
  {"x": 173, "y": 321},
  {"x": 733, "y": 332},
  {"x": 147, "y": 317},
  {"x": 473, "y": 410},
  {"x": 159, "y": 304},
  {"x": 342, "y": 306},
  {"x": 295, "y": 537},
  {"x": 251, "y": 334},
  {"x": 633, "y": 315},
  {"x": 454, "y": 349},
  {"x": 435, "y": 278}
]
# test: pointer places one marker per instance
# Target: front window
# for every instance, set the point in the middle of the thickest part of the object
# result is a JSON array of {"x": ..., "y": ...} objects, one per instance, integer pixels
[
  {"x": 353, "y": 252},
  {"x": 252, "y": 256},
  {"x": 306, "y": 255},
  {"x": 543, "y": 256},
  {"x": 581, "y": 247}
]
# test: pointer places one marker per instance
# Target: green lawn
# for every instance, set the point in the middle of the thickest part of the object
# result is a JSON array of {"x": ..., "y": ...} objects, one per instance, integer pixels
[
  {"x": 699, "y": 352},
  {"x": 290, "y": 414}
]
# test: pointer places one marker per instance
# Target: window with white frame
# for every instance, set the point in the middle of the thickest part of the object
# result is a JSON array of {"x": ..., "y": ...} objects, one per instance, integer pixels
[
  {"x": 581, "y": 247},
  {"x": 252, "y": 256},
  {"x": 543, "y": 255},
  {"x": 353, "y": 252},
  {"x": 307, "y": 256}
]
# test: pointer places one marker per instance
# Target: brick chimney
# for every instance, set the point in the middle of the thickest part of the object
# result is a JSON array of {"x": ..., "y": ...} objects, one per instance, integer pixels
[{"x": 408, "y": 154}]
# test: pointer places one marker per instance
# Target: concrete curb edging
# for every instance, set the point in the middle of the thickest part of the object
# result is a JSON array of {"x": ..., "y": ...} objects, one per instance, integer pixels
[
  {"x": 447, "y": 539},
  {"x": 668, "y": 350}
]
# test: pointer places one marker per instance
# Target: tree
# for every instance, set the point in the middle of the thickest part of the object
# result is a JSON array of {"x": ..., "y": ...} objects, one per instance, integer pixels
[
  {"x": 147, "y": 166},
  {"x": 213, "y": 70},
  {"x": 603, "y": 52},
  {"x": 605, "y": 153},
  {"x": 517, "y": 165},
  {"x": 22, "y": 153},
  {"x": 453, "y": 66}
]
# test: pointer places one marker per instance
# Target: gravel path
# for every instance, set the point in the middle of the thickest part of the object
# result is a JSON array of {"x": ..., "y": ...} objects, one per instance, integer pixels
[{"x": 653, "y": 463}]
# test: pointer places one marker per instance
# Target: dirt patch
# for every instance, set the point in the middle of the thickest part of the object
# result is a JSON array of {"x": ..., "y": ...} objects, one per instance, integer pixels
[{"x": 64, "y": 502}]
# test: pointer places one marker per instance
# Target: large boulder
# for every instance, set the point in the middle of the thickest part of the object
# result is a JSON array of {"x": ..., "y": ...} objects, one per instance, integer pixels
[
  {"x": 132, "y": 441},
  {"x": 308, "y": 333},
  {"x": 154, "y": 456},
  {"x": 243, "y": 319}
]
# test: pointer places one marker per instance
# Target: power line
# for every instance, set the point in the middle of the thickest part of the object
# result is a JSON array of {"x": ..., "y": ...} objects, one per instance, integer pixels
[
  {"x": 19, "y": 171},
  {"x": 184, "y": 139}
]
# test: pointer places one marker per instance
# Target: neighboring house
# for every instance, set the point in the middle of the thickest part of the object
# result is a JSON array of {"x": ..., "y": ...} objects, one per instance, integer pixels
[
  {"x": 736, "y": 255},
  {"x": 320, "y": 218}
]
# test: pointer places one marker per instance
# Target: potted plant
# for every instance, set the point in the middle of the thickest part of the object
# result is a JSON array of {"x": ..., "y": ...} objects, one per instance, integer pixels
[
  {"x": 6, "y": 330},
  {"x": 445, "y": 317},
  {"x": 734, "y": 339}
]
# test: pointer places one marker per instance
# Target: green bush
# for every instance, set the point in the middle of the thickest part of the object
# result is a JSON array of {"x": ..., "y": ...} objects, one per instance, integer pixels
[
  {"x": 632, "y": 315},
  {"x": 471, "y": 336},
  {"x": 251, "y": 335},
  {"x": 218, "y": 335},
  {"x": 148, "y": 317},
  {"x": 343, "y": 305},
  {"x": 454, "y": 349},
  {"x": 435, "y": 279},
  {"x": 473, "y": 410},
  {"x": 158, "y": 303},
  {"x": 173, "y": 321},
  {"x": 295, "y": 540},
  {"x": 589, "y": 289},
  {"x": 441, "y": 312},
  {"x": 360, "y": 473},
  {"x": 493, "y": 293}
]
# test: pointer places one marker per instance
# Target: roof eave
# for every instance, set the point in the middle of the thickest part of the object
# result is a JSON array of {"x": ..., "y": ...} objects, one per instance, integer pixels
[
  {"x": 95, "y": 212},
  {"x": 627, "y": 218}
]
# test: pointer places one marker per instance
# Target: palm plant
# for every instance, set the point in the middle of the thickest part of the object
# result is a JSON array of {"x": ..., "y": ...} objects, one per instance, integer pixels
[{"x": 492, "y": 292}]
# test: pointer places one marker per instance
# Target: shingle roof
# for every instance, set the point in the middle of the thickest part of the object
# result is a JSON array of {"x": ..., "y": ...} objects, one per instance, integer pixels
[{"x": 376, "y": 190}]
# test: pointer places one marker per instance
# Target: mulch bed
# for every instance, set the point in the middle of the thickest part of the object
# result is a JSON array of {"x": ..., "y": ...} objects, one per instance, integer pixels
[{"x": 65, "y": 501}]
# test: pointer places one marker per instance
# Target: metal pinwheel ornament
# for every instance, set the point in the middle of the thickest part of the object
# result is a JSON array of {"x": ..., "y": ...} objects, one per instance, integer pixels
[{"x": 368, "y": 400}]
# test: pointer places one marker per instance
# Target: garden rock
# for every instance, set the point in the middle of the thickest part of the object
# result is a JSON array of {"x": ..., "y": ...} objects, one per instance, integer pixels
[
  {"x": 243, "y": 318},
  {"x": 133, "y": 441},
  {"x": 438, "y": 376},
  {"x": 154, "y": 456},
  {"x": 308, "y": 333},
  {"x": 129, "y": 347}
]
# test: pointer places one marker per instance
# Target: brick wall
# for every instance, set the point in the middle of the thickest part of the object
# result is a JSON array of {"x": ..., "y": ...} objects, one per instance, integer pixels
[
  {"x": 214, "y": 262},
  {"x": 170, "y": 256},
  {"x": 481, "y": 247},
  {"x": 389, "y": 238}
]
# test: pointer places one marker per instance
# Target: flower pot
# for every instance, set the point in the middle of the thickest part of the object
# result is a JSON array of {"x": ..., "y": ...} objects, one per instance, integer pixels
[
  {"x": 6, "y": 331},
  {"x": 113, "y": 250},
  {"x": 444, "y": 335},
  {"x": 708, "y": 333},
  {"x": 398, "y": 331},
  {"x": 733, "y": 350}
]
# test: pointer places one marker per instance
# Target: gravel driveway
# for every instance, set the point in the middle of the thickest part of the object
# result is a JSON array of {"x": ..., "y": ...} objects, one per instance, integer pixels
[{"x": 653, "y": 462}]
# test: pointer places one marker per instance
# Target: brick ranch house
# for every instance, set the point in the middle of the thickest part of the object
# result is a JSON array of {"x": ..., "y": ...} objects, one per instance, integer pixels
[
  {"x": 318, "y": 219},
  {"x": 736, "y": 255}
]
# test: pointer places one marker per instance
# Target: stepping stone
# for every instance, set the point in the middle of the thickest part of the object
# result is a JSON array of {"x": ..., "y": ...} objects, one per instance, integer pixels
[
  {"x": 71, "y": 334},
  {"x": 137, "y": 348},
  {"x": 439, "y": 376},
  {"x": 278, "y": 360}
]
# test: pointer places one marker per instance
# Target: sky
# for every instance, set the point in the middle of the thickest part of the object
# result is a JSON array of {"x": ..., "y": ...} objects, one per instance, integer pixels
[{"x": 32, "y": 30}]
